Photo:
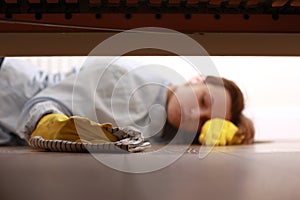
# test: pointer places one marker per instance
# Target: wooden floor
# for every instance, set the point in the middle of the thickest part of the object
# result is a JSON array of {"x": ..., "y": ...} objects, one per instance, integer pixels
[{"x": 267, "y": 170}]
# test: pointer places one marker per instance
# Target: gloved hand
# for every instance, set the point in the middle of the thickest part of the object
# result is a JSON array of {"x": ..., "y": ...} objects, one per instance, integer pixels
[
  {"x": 57, "y": 132},
  {"x": 74, "y": 129},
  {"x": 218, "y": 132}
]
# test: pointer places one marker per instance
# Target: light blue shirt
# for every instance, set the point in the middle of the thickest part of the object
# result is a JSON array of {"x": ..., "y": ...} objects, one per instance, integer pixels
[
  {"x": 107, "y": 90},
  {"x": 20, "y": 81}
]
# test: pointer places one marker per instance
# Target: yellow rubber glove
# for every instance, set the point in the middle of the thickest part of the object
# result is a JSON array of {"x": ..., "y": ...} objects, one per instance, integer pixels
[
  {"x": 61, "y": 127},
  {"x": 218, "y": 132}
]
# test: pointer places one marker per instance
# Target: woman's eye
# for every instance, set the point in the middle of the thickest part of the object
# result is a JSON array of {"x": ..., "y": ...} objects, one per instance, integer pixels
[{"x": 203, "y": 102}]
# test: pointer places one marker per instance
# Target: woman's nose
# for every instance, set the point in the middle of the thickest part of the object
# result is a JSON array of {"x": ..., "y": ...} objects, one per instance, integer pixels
[
  {"x": 195, "y": 113},
  {"x": 198, "y": 113}
]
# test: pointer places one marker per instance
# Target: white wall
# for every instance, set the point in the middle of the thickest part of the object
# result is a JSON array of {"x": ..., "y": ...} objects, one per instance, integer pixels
[{"x": 272, "y": 88}]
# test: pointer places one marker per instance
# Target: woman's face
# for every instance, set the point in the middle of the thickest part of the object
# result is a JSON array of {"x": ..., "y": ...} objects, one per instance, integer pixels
[{"x": 190, "y": 105}]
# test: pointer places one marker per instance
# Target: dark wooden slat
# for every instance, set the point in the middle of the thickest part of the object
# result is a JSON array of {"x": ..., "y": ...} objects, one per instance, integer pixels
[
  {"x": 234, "y": 2},
  {"x": 295, "y": 3},
  {"x": 215, "y": 2},
  {"x": 279, "y": 3}
]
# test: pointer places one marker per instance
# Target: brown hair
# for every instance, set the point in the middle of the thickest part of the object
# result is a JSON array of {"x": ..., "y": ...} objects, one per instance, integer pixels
[{"x": 246, "y": 130}]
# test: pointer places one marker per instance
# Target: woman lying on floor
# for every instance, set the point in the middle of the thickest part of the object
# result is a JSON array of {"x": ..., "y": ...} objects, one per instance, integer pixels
[{"x": 153, "y": 100}]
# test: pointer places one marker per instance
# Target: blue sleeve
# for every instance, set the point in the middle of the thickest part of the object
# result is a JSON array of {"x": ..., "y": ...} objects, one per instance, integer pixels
[{"x": 34, "y": 110}]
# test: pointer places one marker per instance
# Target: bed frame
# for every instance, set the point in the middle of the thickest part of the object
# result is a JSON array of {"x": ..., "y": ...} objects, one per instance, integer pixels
[{"x": 222, "y": 27}]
